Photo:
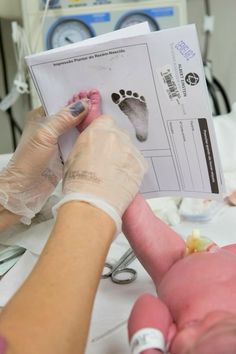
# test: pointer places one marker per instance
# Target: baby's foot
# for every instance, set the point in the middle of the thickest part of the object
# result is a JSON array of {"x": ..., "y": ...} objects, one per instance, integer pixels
[
  {"x": 135, "y": 108},
  {"x": 149, "y": 323},
  {"x": 94, "y": 99}
]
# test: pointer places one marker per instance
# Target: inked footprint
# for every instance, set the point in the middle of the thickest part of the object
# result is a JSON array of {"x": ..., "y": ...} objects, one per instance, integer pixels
[{"x": 135, "y": 108}]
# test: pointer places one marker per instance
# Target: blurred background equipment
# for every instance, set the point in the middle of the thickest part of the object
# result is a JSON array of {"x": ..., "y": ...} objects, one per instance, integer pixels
[
  {"x": 30, "y": 26},
  {"x": 62, "y": 22},
  {"x": 216, "y": 90},
  {"x": 53, "y": 23},
  {"x": 10, "y": 9}
]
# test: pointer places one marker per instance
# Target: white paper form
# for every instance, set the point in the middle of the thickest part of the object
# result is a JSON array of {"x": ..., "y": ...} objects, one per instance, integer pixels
[
  {"x": 154, "y": 86},
  {"x": 66, "y": 141}
]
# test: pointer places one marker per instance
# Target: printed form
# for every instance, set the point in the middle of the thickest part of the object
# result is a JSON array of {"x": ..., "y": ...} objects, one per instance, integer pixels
[{"x": 153, "y": 85}]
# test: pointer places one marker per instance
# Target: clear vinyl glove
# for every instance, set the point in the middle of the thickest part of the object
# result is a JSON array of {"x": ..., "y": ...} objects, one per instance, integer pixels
[
  {"x": 104, "y": 169},
  {"x": 35, "y": 168}
]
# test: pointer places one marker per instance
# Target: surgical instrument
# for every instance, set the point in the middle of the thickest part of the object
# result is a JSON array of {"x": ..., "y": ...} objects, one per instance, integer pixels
[
  {"x": 115, "y": 270},
  {"x": 20, "y": 252}
]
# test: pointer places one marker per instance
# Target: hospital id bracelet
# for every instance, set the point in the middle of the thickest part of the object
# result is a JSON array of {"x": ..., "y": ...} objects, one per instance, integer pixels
[{"x": 147, "y": 338}]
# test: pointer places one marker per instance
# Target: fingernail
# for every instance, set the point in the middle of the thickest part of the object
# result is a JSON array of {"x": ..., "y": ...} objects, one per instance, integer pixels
[{"x": 76, "y": 108}]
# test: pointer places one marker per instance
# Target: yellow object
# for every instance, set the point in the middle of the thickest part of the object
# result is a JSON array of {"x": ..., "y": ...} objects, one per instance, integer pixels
[{"x": 197, "y": 243}]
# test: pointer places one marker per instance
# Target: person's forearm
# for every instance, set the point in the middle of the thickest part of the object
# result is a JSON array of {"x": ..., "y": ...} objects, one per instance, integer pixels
[
  {"x": 7, "y": 218},
  {"x": 51, "y": 312}
]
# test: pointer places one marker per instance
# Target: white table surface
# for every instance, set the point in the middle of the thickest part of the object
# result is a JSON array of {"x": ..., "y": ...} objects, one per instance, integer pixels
[{"x": 108, "y": 333}]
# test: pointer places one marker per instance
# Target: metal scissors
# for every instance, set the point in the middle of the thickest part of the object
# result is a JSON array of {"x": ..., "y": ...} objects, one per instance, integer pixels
[
  {"x": 15, "y": 255},
  {"x": 115, "y": 271}
]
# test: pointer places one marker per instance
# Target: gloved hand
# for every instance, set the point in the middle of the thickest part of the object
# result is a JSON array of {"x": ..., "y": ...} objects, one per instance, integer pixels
[
  {"x": 104, "y": 168},
  {"x": 35, "y": 168}
]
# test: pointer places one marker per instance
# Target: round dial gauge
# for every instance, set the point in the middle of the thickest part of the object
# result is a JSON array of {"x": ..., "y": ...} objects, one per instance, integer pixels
[
  {"x": 67, "y": 31},
  {"x": 137, "y": 17}
]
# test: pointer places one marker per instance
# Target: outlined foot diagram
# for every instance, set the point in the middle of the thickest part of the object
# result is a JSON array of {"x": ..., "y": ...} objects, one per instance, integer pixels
[{"x": 135, "y": 108}]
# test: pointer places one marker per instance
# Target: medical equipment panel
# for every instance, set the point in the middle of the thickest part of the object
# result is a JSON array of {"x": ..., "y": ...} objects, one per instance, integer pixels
[
  {"x": 59, "y": 22},
  {"x": 64, "y": 4},
  {"x": 69, "y": 21}
]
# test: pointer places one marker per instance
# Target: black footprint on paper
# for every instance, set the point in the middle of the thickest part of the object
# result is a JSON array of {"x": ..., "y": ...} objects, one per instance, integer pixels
[{"x": 135, "y": 108}]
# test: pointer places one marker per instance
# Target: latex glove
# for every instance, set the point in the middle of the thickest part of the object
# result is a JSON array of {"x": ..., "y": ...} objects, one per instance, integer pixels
[
  {"x": 35, "y": 168},
  {"x": 104, "y": 169}
]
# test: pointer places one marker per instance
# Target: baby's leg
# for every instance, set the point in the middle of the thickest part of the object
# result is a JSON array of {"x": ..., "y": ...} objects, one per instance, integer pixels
[
  {"x": 94, "y": 100},
  {"x": 231, "y": 248},
  {"x": 156, "y": 245},
  {"x": 150, "y": 312}
]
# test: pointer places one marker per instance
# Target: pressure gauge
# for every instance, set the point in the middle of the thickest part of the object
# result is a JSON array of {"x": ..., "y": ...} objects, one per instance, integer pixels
[
  {"x": 137, "y": 17},
  {"x": 67, "y": 31}
]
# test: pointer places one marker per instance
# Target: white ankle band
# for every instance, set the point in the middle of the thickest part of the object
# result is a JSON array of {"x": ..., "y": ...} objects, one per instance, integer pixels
[{"x": 147, "y": 338}]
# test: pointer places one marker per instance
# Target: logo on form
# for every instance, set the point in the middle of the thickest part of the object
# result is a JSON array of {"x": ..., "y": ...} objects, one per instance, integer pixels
[{"x": 192, "y": 79}]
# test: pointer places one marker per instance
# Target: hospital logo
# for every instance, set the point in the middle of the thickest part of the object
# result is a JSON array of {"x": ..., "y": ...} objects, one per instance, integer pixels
[{"x": 192, "y": 79}]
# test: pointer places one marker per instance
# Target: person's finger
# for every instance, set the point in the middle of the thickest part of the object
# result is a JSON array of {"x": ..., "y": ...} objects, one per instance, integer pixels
[
  {"x": 36, "y": 115},
  {"x": 108, "y": 124},
  {"x": 66, "y": 118}
]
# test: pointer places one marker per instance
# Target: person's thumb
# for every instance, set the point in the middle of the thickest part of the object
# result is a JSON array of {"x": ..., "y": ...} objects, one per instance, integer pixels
[{"x": 68, "y": 117}]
